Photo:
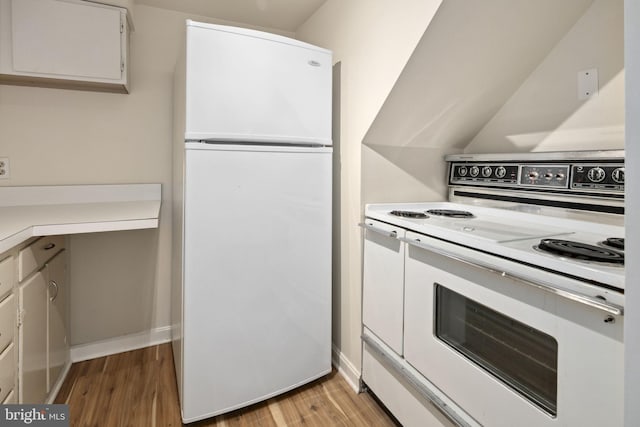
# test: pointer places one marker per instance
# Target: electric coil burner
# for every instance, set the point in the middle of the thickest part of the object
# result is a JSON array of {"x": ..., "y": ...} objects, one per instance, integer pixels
[
  {"x": 450, "y": 213},
  {"x": 409, "y": 214},
  {"x": 582, "y": 251},
  {"x": 614, "y": 243}
]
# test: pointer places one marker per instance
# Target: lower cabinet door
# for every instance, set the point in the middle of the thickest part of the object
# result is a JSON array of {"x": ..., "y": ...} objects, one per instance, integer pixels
[
  {"x": 33, "y": 340},
  {"x": 58, "y": 348}
]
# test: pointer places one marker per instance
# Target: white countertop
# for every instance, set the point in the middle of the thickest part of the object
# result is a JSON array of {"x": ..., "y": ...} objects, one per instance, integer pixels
[{"x": 50, "y": 210}]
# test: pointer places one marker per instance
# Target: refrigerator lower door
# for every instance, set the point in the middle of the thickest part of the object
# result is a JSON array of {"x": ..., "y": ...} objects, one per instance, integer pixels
[{"x": 257, "y": 274}]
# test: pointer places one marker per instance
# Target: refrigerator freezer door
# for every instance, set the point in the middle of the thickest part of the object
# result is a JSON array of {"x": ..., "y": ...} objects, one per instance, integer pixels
[
  {"x": 245, "y": 85},
  {"x": 257, "y": 274}
]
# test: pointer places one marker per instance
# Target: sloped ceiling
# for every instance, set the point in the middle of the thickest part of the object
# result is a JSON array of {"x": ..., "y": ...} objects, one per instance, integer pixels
[
  {"x": 546, "y": 113},
  {"x": 470, "y": 60},
  {"x": 285, "y": 15}
]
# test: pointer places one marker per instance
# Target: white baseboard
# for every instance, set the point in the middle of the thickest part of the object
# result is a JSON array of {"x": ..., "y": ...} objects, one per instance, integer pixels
[
  {"x": 346, "y": 368},
  {"x": 120, "y": 344},
  {"x": 58, "y": 385}
]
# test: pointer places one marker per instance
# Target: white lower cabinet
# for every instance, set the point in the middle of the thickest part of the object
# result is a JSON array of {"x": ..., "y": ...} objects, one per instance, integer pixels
[
  {"x": 43, "y": 344},
  {"x": 33, "y": 339},
  {"x": 8, "y": 325},
  {"x": 58, "y": 344}
]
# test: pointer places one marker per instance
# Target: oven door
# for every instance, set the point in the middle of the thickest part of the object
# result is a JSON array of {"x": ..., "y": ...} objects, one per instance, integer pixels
[{"x": 507, "y": 352}]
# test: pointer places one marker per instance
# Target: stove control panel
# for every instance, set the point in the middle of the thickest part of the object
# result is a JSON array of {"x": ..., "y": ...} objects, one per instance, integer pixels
[
  {"x": 484, "y": 173},
  {"x": 609, "y": 177},
  {"x": 556, "y": 176},
  {"x": 573, "y": 176}
]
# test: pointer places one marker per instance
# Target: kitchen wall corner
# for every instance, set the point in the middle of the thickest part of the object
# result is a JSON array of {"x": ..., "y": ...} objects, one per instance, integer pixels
[{"x": 372, "y": 41}]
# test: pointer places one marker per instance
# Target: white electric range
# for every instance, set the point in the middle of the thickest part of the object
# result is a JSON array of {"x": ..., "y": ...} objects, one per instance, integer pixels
[{"x": 512, "y": 293}]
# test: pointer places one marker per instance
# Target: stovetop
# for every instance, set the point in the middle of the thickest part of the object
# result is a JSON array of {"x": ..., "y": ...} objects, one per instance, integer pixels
[{"x": 514, "y": 234}]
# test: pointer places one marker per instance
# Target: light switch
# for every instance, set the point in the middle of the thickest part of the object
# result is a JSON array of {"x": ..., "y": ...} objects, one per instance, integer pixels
[{"x": 587, "y": 83}]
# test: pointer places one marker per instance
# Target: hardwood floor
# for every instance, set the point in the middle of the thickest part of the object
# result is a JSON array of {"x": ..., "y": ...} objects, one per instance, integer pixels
[{"x": 138, "y": 388}]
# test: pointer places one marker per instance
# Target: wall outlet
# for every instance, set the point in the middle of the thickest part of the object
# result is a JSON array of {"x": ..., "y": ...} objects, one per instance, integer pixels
[{"x": 4, "y": 168}]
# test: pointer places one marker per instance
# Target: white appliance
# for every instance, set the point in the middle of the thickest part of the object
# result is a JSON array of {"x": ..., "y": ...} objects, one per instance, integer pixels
[
  {"x": 251, "y": 303},
  {"x": 510, "y": 303}
]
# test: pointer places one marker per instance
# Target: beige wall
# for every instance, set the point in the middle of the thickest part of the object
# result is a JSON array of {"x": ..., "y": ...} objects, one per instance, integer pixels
[
  {"x": 120, "y": 281},
  {"x": 545, "y": 114},
  {"x": 457, "y": 78},
  {"x": 372, "y": 41}
]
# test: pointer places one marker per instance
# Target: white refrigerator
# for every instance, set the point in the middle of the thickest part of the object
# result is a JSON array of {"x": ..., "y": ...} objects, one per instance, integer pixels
[{"x": 251, "y": 297}]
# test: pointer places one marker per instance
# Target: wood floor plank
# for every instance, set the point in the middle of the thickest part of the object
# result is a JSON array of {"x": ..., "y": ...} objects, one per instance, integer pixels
[
  {"x": 168, "y": 408},
  {"x": 138, "y": 388}
]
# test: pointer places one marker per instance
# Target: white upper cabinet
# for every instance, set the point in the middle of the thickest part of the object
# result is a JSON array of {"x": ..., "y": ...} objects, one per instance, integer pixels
[{"x": 63, "y": 43}]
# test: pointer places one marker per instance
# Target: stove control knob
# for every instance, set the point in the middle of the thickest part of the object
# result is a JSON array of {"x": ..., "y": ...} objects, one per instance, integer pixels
[
  {"x": 596, "y": 174},
  {"x": 501, "y": 172},
  {"x": 533, "y": 175},
  {"x": 618, "y": 175},
  {"x": 486, "y": 171},
  {"x": 548, "y": 176},
  {"x": 462, "y": 171},
  {"x": 560, "y": 176},
  {"x": 474, "y": 171}
]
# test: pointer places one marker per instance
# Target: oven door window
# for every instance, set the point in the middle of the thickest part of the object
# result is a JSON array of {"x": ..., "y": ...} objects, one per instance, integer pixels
[{"x": 520, "y": 356}]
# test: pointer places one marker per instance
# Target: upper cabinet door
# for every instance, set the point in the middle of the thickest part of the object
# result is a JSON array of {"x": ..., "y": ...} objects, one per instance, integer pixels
[
  {"x": 245, "y": 85},
  {"x": 62, "y": 40},
  {"x": 56, "y": 37}
]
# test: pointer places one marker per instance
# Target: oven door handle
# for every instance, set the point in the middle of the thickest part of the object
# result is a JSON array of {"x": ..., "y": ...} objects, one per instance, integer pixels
[
  {"x": 371, "y": 227},
  {"x": 610, "y": 308}
]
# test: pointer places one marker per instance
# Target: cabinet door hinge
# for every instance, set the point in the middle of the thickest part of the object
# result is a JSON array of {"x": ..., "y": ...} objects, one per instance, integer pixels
[
  {"x": 122, "y": 66},
  {"x": 121, "y": 25}
]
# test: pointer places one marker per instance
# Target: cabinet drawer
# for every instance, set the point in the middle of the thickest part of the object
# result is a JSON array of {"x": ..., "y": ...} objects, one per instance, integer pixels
[
  {"x": 7, "y": 321},
  {"x": 6, "y": 276},
  {"x": 35, "y": 255},
  {"x": 7, "y": 370}
]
